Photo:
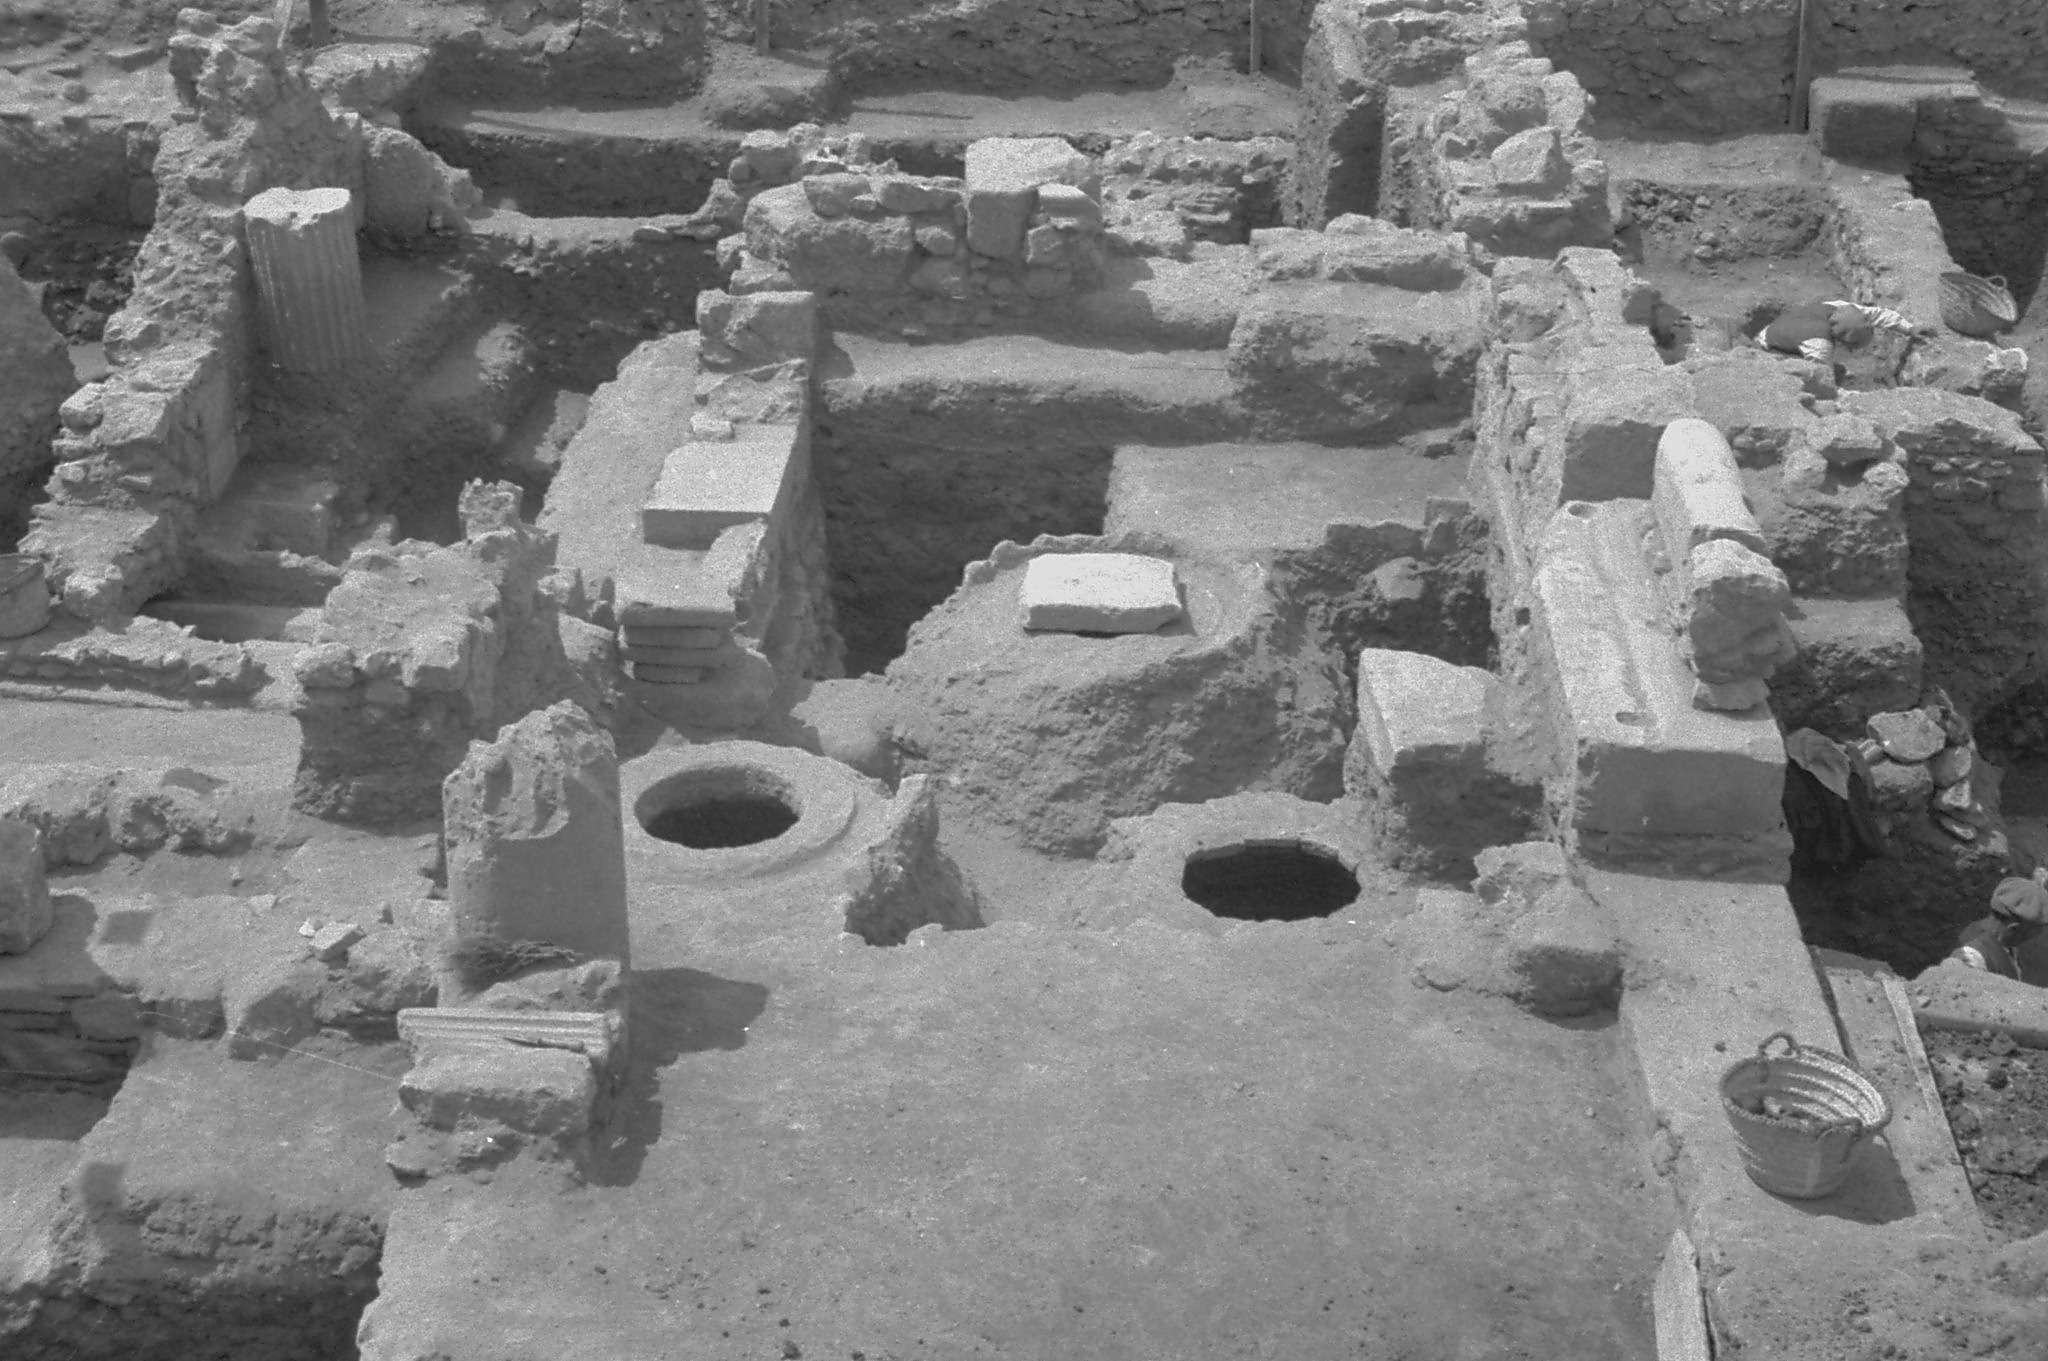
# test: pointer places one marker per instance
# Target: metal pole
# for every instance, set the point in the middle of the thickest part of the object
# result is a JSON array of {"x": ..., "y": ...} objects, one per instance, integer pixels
[
  {"x": 1802, "y": 64},
  {"x": 761, "y": 27},
  {"x": 1254, "y": 64}
]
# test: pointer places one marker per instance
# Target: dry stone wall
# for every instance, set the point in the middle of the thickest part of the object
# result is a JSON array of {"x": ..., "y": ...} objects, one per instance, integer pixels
[{"x": 1024, "y": 44}]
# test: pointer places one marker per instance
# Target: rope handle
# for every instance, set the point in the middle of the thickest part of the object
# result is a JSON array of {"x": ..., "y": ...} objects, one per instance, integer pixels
[{"x": 1853, "y": 1124}]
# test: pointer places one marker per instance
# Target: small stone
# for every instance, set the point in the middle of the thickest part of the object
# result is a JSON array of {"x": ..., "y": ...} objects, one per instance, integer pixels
[
  {"x": 711, "y": 429},
  {"x": 1961, "y": 831},
  {"x": 1956, "y": 799},
  {"x": 76, "y": 91},
  {"x": 1952, "y": 765},
  {"x": 1907, "y": 736},
  {"x": 1900, "y": 787},
  {"x": 1730, "y": 696},
  {"x": 834, "y": 195},
  {"x": 650, "y": 234},
  {"x": 331, "y": 942},
  {"x": 1868, "y": 749}
]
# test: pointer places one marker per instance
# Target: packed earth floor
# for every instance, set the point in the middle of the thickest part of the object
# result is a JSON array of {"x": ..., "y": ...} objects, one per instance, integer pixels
[{"x": 1105, "y": 679}]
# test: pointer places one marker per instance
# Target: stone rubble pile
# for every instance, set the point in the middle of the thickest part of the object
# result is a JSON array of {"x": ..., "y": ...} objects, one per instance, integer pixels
[{"x": 1924, "y": 761}]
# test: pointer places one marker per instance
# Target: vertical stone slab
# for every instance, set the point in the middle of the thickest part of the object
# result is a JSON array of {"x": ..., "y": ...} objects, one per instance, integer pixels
[
  {"x": 25, "y": 913},
  {"x": 536, "y": 850},
  {"x": 309, "y": 279}
]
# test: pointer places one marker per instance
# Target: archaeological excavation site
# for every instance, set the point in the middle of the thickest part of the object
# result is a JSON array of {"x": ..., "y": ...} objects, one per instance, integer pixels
[{"x": 903, "y": 680}]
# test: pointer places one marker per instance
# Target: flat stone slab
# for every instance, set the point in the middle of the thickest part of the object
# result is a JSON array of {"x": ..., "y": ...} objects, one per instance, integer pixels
[
  {"x": 1099, "y": 593},
  {"x": 707, "y": 486},
  {"x": 1954, "y": 996}
]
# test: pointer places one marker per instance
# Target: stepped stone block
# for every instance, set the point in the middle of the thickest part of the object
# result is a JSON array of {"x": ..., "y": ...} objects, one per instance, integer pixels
[
  {"x": 309, "y": 278},
  {"x": 535, "y": 842}
]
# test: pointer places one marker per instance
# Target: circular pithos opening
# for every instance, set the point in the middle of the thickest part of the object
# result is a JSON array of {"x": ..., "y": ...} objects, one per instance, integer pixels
[
  {"x": 709, "y": 810},
  {"x": 1284, "y": 881}
]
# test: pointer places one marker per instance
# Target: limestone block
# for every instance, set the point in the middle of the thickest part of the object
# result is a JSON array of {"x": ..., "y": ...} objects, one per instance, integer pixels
[
  {"x": 1861, "y": 120},
  {"x": 1416, "y": 711},
  {"x": 1732, "y": 697},
  {"x": 1099, "y": 593},
  {"x": 1003, "y": 176},
  {"x": 1562, "y": 957},
  {"x": 837, "y": 194},
  {"x": 536, "y": 848},
  {"x": 1356, "y": 249},
  {"x": 309, "y": 278},
  {"x": 1612, "y": 427},
  {"x": 1735, "y": 617},
  {"x": 1531, "y": 162},
  {"x": 916, "y": 194},
  {"x": 1698, "y": 492},
  {"x": 1910, "y": 735},
  {"x": 1847, "y": 441},
  {"x": 757, "y": 329},
  {"x": 1071, "y": 205},
  {"x": 537, "y": 1090},
  {"x": 705, "y": 488},
  {"x": 1610, "y": 291},
  {"x": 25, "y": 912},
  {"x": 771, "y": 155}
]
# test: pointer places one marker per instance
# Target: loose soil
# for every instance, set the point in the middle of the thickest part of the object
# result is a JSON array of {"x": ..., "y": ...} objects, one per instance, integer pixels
[
  {"x": 1996, "y": 1096},
  {"x": 85, "y": 271}
]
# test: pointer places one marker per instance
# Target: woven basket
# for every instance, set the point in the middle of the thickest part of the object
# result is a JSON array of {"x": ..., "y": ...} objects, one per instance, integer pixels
[
  {"x": 1974, "y": 306},
  {"x": 1829, "y": 1110}
]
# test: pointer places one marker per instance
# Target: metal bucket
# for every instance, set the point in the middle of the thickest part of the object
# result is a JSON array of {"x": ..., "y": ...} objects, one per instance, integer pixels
[
  {"x": 1800, "y": 1117},
  {"x": 24, "y": 598}
]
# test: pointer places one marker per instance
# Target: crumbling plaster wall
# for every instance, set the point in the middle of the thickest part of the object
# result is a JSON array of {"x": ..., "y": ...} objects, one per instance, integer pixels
[{"x": 1720, "y": 65}]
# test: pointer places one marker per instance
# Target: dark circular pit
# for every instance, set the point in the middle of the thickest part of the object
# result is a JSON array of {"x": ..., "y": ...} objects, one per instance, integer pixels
[
  {"x": 718, "y": 808},
  {"x": 1287, "y": 881}
]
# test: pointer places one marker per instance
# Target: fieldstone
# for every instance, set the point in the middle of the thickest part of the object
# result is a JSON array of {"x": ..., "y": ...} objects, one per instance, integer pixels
[
  {"x": 1531, "y": 162},
  {"x": 1070, "y": 204},
  {"x": 1907, "y": 736},
  {"x": 1099, "y": 593},
  {"x": 834, "y": 195},
  {"x": 1951, "y": 765},
  {"x": 331, "y": 942},
  {"x": 1956, "y": 798},
  {"x": 1847, "y": 441},
  {"x": 1900, "y": 787},
  {"x": 25, "y": 912}
]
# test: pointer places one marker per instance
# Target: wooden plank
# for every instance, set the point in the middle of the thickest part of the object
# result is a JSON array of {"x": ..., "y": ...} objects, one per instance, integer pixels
[
  {"x": 1802, "y": 62},
  {"x": 1677, "y": 1306}
]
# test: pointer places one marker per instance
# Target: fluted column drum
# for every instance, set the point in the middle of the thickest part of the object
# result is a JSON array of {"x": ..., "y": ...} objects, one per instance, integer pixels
[{"x": 309, "y": 280}]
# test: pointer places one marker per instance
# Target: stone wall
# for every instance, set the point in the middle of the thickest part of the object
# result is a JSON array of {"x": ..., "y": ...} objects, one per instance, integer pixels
[
  {"x": 1721, "y": 65},
  {"x": 1024, "y": 44},
  {"x": 144, "y": 450},
  {"x": 420, "y": 649}
]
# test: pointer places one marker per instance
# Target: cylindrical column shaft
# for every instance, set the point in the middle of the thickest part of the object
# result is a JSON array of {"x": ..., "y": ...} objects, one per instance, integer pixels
[{"x": 309, "y": 280}]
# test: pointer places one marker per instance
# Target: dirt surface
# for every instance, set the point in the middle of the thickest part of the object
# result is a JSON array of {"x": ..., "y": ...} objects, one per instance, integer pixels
[
  {"x": 1996, "y": 1096},
  {"x": 85, "y": 271},
  {"x": 1033, "y": 1142}
]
